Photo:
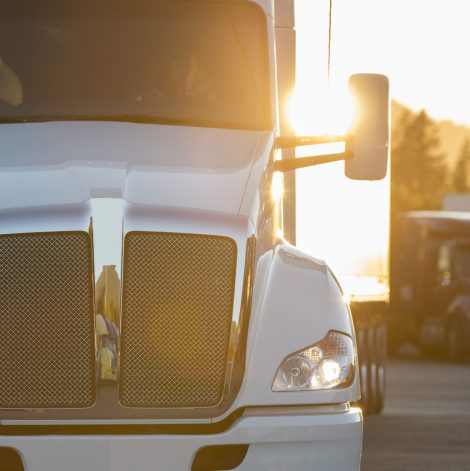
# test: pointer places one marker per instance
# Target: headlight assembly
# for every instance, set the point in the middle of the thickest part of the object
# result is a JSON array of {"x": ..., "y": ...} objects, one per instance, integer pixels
[{"x": 328, "y": 364}]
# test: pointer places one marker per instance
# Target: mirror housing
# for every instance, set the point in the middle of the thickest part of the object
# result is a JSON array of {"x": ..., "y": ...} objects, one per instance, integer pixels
[{"x": 371, "y": 129}]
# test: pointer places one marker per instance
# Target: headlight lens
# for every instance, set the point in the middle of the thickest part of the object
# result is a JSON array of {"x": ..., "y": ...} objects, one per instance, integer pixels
[{"x": 328, "y": 364}]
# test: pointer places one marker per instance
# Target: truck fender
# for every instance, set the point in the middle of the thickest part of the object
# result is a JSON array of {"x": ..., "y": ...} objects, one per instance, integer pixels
[{"x": 296, "y": 302}]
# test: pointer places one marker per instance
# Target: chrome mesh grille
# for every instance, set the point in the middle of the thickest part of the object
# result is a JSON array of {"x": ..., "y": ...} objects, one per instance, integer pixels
[
  {"x": 176, "y": 319},
  {"x": 47, "y": 351}
]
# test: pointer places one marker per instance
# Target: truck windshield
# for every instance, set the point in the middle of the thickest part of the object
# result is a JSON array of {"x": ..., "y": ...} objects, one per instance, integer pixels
[{"x": 196, "y": 63}]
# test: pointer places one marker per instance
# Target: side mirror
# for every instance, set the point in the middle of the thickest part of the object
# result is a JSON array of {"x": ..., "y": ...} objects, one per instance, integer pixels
[{"x": 371, "y": 129}]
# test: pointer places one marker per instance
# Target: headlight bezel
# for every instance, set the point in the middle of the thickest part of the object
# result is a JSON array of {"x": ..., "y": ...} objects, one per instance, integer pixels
[{"x": 335, "y": 350}]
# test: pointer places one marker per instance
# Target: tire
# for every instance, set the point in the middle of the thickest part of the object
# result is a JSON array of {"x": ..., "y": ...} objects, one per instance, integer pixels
[
  {"x": 380, "y": 351},
  {"x": 364, "y": 372},
  {"x": 371, "y": 335},
  {"x": 454, "y": 341},
  {"x": 372, "y": 349}
]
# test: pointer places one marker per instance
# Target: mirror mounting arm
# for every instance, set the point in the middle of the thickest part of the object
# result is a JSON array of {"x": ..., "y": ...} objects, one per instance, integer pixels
[
  {"x": 293, "y": 164},
  {"x": 287, "y": 142},
  {"x": 287, "y": 165}
]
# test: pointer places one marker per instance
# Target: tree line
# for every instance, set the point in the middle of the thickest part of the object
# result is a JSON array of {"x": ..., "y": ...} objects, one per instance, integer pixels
[{"x": 420, "y": 171}]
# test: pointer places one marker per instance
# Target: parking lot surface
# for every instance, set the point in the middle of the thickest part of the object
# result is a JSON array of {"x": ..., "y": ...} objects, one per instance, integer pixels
[{"x": 426, "y": 421}]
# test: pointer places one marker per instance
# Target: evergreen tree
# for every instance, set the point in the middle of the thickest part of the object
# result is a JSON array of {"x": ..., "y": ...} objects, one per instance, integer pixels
[
  {"x": 461, "y": 173},
  {"x": 419, "y": 173}
]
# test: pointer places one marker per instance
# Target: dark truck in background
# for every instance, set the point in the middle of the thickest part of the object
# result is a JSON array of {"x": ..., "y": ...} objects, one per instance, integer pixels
[{"x": 430, "y": 282}]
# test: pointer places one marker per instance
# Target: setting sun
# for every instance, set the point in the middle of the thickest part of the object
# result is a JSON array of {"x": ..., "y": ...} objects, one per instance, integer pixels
[{"x": 330, "y": 112}]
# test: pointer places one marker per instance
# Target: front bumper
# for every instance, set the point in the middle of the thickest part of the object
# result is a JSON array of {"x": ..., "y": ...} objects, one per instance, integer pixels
[{"x": 302, "y": 440}]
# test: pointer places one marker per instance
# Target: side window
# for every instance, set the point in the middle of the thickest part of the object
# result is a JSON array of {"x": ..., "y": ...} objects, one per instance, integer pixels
[{"x": 444, "y": 266}]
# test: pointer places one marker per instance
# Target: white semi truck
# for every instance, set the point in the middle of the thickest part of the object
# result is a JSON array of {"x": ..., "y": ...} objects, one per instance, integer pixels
[{"x": 141, "y": 147}]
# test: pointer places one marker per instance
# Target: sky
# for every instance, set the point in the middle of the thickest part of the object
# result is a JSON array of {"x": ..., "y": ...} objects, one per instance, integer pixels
[{"x": 422, "y": 45}]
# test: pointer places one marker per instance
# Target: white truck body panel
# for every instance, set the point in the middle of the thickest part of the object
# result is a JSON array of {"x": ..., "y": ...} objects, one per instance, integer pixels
[
  {"x": 321, "y": 440},
  {"x": 166, "y": 165}
]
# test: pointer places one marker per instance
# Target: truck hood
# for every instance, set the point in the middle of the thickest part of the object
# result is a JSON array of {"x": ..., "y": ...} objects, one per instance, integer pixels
[{"x": 62, "y": 163}]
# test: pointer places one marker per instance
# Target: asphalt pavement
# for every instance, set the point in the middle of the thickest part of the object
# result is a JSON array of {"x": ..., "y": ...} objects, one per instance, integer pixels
[{"x": 425, "y": 425}]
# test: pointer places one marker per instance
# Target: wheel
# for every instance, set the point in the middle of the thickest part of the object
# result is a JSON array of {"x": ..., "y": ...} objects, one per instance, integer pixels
[
  {"x": 372, "y": 349},
  {"x": 454, "y": 341},
  {"x": 380, "y": 353},
  {"x": 362, "y": 369},
  {"x": 371, "y": 335}
]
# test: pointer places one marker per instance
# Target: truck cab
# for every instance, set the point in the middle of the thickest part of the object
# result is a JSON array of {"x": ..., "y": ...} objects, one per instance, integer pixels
[
  {"x": 152, "y": 315},
  {"x": 430, "y": 281}
]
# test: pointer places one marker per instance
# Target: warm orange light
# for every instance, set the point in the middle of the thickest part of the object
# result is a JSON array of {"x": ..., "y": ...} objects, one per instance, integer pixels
[
  {"x": 277, "y": 186},
  {"x": 314, "y": 113},
  {"x": 277, "y": 192},
  {"x": 342, "y": 221}
]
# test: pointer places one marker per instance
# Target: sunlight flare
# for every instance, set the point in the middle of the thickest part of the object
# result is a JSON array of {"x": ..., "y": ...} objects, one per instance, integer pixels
[{"x": 330, "y": 112}]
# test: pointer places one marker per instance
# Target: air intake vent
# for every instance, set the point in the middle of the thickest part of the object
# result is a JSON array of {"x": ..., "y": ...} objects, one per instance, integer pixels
[
  {"x": 177, "y": 314},
  {"x": 47, "y": 349}
]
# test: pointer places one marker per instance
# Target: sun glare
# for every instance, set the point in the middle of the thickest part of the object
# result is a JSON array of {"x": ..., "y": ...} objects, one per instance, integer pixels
[
  {"x": 318, "y": 112},
  {"x": 342, "y": 221}
]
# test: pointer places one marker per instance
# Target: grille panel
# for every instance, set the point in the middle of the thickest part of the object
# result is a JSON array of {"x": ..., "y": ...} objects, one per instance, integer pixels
[
  {"x": 47, "y": 351},
  {"x": 176, "y": 319}
]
